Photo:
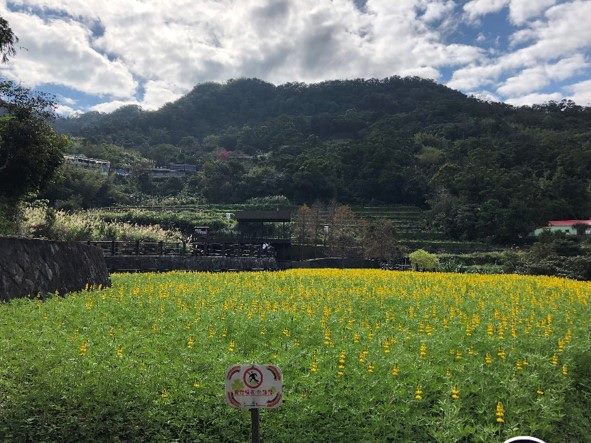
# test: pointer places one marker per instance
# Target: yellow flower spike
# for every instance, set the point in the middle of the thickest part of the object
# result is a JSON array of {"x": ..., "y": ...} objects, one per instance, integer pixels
[
  {"x": 314, "y": 365},
  {"x": 488, "y": 359},
  {"x": 564, "y": 370},
  {"x": 554, "y": 360},
  {"x": 395, "y": 371},
  {"x": 500, "y": 413},
  {"x": 455, "y": 393},
  {"x": 370, "y": 368},
  {"x": 164, "y": 394},
  {"x": 341, "y": 366},
  {"x": 423, "y": 350},
  {"x": 232, "y": 346},
  {"x": 119, "y": 351},
  {"x": 190, "y": 343},
  {"x": 419, "y": 393},
  {"x": 540, "y": 392},
  {"x": 83, "y": 348},
  {"x": 490, "y": 330},
  {"x": 501, "y": 353}
]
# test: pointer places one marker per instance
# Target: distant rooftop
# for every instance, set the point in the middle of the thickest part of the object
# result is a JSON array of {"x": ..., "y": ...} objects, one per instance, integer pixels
[{"x": 569, "y": 222}]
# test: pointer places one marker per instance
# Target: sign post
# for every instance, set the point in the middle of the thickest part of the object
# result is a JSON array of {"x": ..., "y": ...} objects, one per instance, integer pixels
[
  {"x": 254, "y": 425},
  {"x": 252, "y": 386}
]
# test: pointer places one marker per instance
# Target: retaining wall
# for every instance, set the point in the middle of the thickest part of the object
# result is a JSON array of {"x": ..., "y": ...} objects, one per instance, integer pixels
[{"x": 37, "y": 267}]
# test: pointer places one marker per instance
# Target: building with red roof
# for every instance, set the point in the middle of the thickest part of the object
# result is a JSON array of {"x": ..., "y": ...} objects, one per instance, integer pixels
[{"x": 568, "y": 227}]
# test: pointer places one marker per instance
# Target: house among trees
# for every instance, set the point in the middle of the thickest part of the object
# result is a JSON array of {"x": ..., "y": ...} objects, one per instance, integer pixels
[
  {"x": 102, "y": 166},
  {"x": 183, "y": 167},
  {"x": 568, "y": 227}
]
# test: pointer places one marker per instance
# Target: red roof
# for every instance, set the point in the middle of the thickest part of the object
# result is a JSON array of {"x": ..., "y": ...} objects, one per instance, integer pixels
[{"x": 569, "y": 222}]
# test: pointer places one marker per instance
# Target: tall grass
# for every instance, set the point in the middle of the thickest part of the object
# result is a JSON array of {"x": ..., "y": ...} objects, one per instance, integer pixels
[{"x": 81, "y": 226}]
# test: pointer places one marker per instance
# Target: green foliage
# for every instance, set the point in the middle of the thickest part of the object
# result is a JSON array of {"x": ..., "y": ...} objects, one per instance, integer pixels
[
  {"x": 423, "y": 261},
  {"x": 30, "y": 150},
  {"x": 77, "y": 188}
]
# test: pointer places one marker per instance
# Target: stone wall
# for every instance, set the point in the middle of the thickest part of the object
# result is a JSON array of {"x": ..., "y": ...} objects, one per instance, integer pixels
[
  {"x": 32, "y": 267},
  {"x": 160, "y": 263}
]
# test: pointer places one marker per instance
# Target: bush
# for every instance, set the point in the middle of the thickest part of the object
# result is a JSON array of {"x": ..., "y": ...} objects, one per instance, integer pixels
[{"x": 423, "y": 261}]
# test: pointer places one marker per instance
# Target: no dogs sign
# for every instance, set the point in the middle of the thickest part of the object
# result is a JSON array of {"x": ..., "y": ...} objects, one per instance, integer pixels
[{"x": 254, "y": 386}]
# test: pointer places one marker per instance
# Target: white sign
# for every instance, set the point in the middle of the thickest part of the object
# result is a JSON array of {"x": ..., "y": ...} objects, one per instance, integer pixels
[{"x": 254, "y": 386}]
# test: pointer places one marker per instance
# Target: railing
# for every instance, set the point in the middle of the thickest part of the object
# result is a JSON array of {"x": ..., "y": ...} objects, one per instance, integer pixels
[{"x": 114, "y": 247}]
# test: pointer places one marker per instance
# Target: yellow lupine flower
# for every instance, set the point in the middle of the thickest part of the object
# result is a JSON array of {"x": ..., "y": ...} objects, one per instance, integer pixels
[
  {"x": 341, "y": 367},
  {"x": 83, "y": 348},
  {"x": 419, "y": 393},
  {"x": 500, "y": 413},
  {"x": 423, "y": 350},
  {"x": 455, "y": 393}
]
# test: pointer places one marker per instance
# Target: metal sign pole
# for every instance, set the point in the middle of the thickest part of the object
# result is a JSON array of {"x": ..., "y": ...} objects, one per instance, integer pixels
[{"x": 254, "y": 418}]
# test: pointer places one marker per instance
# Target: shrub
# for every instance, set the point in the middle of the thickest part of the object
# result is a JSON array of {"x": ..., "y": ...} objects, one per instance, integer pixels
[{"x": 423, "y": 261}]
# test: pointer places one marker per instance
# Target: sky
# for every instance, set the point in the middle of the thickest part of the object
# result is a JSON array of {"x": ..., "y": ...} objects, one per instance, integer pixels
[{"x": 102, "y": 54}]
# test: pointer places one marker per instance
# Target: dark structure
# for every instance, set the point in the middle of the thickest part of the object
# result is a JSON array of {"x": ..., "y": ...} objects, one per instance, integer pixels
[
  {"x": 39, "y": 267},
  {"x": 260, "y": 234}
]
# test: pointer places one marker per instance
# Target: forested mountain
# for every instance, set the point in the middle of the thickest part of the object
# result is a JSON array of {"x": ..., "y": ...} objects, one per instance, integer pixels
[{"x": 487, "y": 170}]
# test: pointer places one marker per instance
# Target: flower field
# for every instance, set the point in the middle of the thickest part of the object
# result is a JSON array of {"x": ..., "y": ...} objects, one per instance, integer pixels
[{"x": 366, "y": 356}]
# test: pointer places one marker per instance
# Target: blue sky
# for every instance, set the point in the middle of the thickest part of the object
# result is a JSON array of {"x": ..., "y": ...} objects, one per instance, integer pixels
[{"x": 99, "y": 55}]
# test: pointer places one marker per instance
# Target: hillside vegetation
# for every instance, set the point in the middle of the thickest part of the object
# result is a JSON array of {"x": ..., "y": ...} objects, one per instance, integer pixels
[{"x": 486, "y": 170}]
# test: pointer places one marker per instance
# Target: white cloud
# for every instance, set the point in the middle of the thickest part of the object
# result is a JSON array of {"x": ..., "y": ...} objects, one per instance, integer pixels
[
  {"x": 522, "y": 36},
  {"x": 533, "y": 99},
  {"x": 437, "y": 10},
  {"x": 580, "y": 92},
  {"x": 59, "y": 52},
  {"x": 66, "y": 111},
  {"x": 477, "y": 8},
  {"x": 520, "y": 11},
  {"x": 169, "y": 46},
  {"x": 533, "y": 79},
  {"x": 484, "y": 95},
  {"x": 112, "y": 105},
  {"x": 562, "y": 34}
]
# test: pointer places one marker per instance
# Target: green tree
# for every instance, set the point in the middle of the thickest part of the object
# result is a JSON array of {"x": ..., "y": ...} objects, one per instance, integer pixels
[{"x": 30, "y": 150}]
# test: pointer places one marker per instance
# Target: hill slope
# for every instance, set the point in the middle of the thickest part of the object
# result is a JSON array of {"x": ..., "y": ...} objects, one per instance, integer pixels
[{"x": 487, "y": 170}]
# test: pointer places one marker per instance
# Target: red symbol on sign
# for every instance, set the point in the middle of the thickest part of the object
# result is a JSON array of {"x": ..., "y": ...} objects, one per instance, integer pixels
[{"x": 253, "y": 378}]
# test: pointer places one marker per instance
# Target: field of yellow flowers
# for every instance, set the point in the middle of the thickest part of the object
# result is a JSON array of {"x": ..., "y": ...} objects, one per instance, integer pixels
[{"x": 366, "y": 355}]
